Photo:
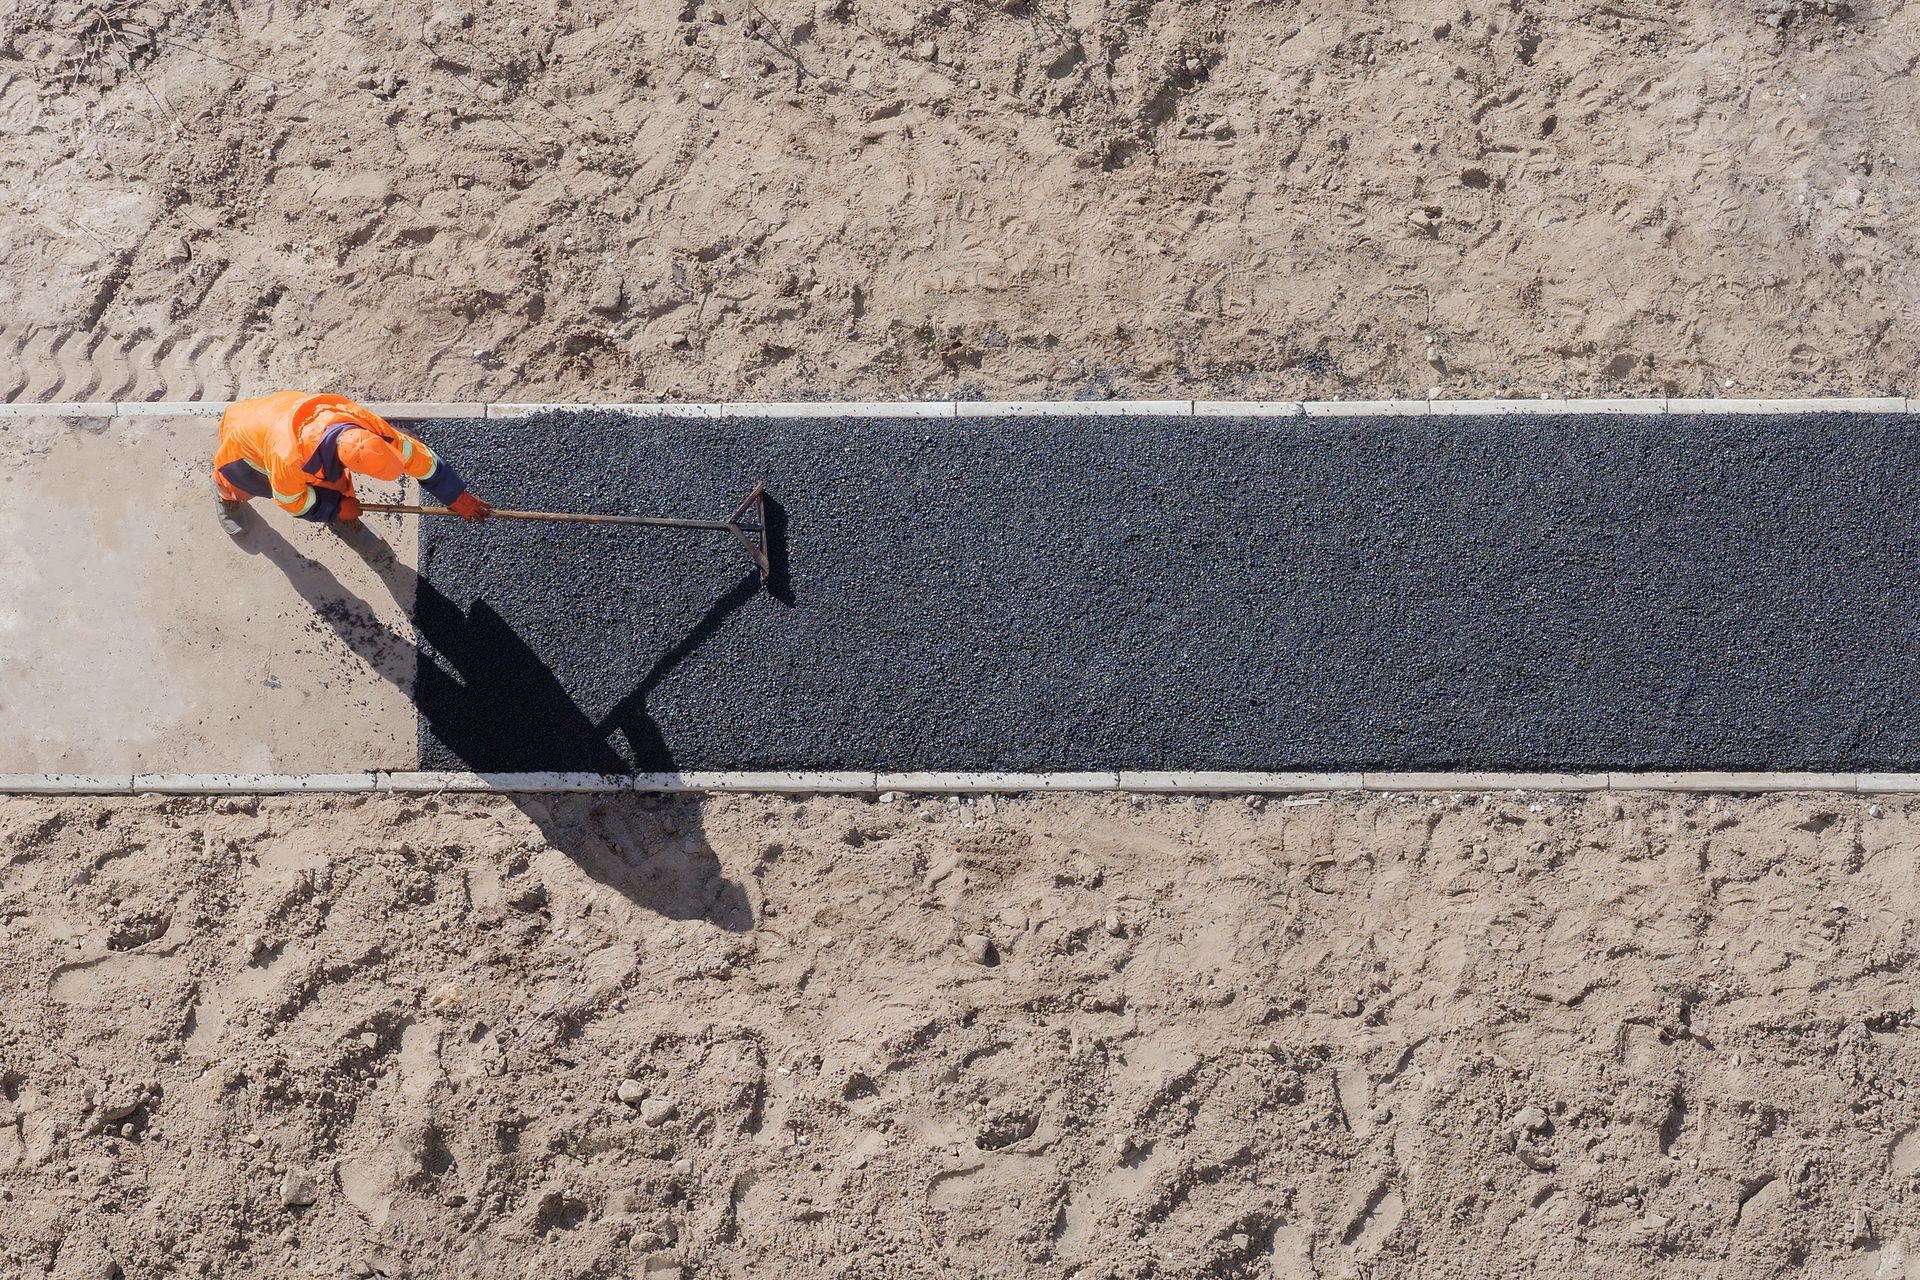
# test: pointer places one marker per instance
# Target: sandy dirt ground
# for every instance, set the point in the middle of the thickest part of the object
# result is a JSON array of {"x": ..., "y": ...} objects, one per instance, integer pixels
[
  {"x": 761, "y": 198},
  {"x": 1053, "y": 1037},
  {"x": 1085, "y": 1036}
]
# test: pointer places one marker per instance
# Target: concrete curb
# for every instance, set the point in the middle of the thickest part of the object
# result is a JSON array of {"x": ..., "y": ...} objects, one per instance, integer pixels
[
  {"x": 957, "y": 783},
  {"x": 859, "y": 782},
  {"x": 419, "y": 410},
  {"x": 47, "y": 784},
  {"x": 1489, "y": 781},
  {"x": 1200, "y": 782},
  {"x": 263, "y": 783},
  {"x": 732, "y": 409}
]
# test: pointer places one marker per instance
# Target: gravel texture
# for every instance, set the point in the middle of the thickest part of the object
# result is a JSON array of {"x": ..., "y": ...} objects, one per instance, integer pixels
[{"x": 1547, "y": 593}]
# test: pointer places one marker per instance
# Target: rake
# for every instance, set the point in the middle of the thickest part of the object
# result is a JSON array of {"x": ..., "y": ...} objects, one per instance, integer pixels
[{"x": 747, "y": 522}]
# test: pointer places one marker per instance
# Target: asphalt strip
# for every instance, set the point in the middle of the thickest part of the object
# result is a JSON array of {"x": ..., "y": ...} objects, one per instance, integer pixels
[{"x": 1522, "y": 593}]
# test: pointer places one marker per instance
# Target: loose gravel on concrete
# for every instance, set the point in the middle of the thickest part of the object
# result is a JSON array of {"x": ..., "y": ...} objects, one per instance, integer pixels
[{"x": 1071, "y": 593}]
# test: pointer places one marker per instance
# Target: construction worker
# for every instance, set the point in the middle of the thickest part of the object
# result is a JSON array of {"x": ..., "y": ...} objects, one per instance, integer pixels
[{"x": 303, "y": 450}]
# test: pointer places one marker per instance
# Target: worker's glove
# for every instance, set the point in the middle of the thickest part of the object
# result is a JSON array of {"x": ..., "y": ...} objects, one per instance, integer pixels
[
  {"x": 349, "y": 508},
  {"x": 469, "y": 508}
]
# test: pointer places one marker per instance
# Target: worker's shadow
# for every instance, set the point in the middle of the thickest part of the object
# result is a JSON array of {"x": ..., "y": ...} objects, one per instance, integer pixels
[{"x": 472, "y": 674}]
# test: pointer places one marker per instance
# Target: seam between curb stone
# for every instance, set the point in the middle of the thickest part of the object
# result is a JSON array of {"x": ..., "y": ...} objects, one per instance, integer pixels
[
  {"x": 861, "y": 782},
  {"x": 419, "y": 410}
]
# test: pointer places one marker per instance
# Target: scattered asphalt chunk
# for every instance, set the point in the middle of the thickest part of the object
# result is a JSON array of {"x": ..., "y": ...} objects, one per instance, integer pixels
[{"x": 1529, "y": 593}]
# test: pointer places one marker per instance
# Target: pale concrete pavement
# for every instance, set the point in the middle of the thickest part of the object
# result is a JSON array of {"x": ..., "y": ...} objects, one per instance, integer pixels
[{"x": 136, "y": 636}]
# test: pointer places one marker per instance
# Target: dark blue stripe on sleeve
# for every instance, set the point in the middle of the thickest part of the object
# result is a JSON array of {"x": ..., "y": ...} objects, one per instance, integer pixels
[
  {"x": 443, "y": 482},
  {"x": 246, "y": 479},
  {"x": 326, "y": 505}
]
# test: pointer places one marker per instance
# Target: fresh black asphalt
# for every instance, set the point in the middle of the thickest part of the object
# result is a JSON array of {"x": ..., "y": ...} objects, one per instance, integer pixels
[{"x": 1560, "y": 593}]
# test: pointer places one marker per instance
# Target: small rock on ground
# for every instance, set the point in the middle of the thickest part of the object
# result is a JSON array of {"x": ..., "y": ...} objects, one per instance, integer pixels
[
  {"x": 1529, "y": 1120},
  {"x": 298, "y": 1189}
]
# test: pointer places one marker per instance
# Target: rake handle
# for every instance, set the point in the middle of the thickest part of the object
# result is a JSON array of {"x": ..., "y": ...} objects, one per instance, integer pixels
[
  {"x": 569, "y": 517},
  {"x": 751, "y": 537}
]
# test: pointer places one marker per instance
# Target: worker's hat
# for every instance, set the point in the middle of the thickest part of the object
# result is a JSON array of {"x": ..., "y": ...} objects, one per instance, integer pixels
[{"x": 369, "y": 454}]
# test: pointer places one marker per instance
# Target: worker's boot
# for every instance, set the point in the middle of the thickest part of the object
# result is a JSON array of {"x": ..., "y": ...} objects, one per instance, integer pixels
[{"x": 227, "y": 512}]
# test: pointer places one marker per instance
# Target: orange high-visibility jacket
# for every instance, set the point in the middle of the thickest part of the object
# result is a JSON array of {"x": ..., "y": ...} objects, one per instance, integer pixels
[{"x": 287, "y": 446}]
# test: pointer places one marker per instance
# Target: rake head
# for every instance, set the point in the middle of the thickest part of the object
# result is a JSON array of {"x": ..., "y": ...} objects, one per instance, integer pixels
[{"x": 748, "y": 524}]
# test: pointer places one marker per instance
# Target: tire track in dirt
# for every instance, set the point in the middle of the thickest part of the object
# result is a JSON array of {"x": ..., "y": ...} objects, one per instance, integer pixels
[{"x": 52, "y": 364}]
